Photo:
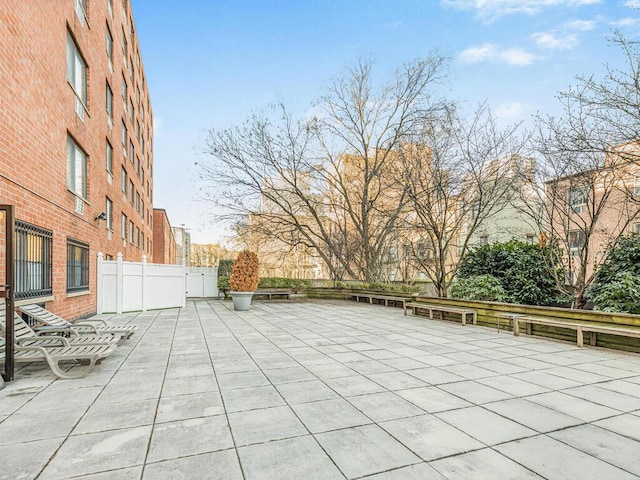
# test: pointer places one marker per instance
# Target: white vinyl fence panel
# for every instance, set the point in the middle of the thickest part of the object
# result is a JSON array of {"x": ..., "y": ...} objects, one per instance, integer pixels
[
  {"x": 202, "y": 282},
  {"x": 135, "y": 286}
]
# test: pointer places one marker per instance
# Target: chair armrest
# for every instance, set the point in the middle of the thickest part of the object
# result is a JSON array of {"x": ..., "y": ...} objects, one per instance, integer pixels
[
  {"x": 22, "y": 341},
  {"x": 84, "y": 327},
  {"x": 85, "y": 321}
]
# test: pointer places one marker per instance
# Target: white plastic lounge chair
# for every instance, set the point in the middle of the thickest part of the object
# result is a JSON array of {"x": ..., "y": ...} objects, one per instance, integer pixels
[
  {"x": 87, "y": 355},
  {"x": 96, "y": 326},
  {"x": 24, "y": 335}
]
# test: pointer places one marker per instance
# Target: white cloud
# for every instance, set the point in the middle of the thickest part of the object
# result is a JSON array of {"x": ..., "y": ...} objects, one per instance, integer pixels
[
  {"x": 492, "y": 9},
  {"x": 625, "y": 22},
  {"x": 394, "y": 25},
  {"x": 632, "y": 4},
  {"x": 582, "y": 25},
  {"x": 489, "y": 51},
  {"x": 510, "y": 110},
  {"x": 478, "y": 54},
  {"x": 517, "y": 56},
  {"x": 549, "y": 40}
]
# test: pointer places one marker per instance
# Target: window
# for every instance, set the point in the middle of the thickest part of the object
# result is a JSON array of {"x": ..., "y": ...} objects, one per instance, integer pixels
[
  {"x": 142, "y": 240},
  {"x": 33, "y": 261},
  {"x": 131, "y": 70},
  {"x": 123, "y": 182},
  {"x": 108, "y": 209},
  {"x": 132, "y": 111},
  {"x": 142, "y": 177},
  {"x": 577, "y": 198},
  {"x": 131, "y": 233},
  {"x": 137, "y": 237},
  {"x": 81, "y": 11},
  {"x": 109, "y": 104},
  {"x": 138, "y": 93},
  {"x": 109, "y": 40},
  {"x": 110, "y": 7},
  {"x": 636, "y": 227},
  {"x": 123, "y": 226},
  {"x": 76, "y": 169},
  {"x": 142, "y": 145},
  {"x": 138, "y": 131},
  {"x": 124, "y": 134},
  {"x": 576, "y": 241},
  {"x": 124, "y": 45},
  {"x": 636, "y": 189},
  {"x": 124, "y": 89},
  {"x": 460, "y": 244},
  {"x": 77, "y": 75},
  {"x": 77, "y": 266},
  {"x": 131, "y": 153},
  {"x": 138, "y": 202},
  {"x": 423, "y": 252},
  {"x": 529, "y": 238},
  {"x": 142, "y": 209},
  {"x": 484, "y": 240},
  {"x": 132, "y": 192},
  {"x": 138, "y": 165},
  {"x": 109, "y": 158}
]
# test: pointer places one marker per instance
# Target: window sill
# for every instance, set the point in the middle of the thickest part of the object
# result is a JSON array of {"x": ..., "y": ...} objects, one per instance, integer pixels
[
  {"x": 29, "y": 301},
  {"x": 78, "y": 294}
]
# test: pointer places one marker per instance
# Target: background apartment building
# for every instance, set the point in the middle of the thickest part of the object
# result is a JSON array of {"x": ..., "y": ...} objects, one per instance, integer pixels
[
  {"x": 164, "y": 244},
  {"x": 76, "y": 145},
  {"x": 182, "y": 238}
]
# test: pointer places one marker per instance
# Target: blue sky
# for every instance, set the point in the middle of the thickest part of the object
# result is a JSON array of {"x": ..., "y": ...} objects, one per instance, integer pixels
[{"x": 211, "y": 63}]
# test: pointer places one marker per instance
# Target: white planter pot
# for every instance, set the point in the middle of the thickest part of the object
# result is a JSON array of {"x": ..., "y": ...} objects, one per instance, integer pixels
[{"x": 241, "y": 300}]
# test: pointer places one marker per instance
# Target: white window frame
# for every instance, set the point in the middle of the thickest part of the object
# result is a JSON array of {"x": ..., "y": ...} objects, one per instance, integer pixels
[
  {"x": 109, "y": 157},
  {"x": 577, "y": 198},
  {"x": 108, "y": 210},
  {"x": 109, "y": 47},
  {"x": 575, "y": 247},
  {"x": 109, "y": 103},
  {"x": 77, "y": 74},
  {"x": 124, "y": 222},
  {"x": 76, "y": 169},
  {"x": 81, "y": 11}
]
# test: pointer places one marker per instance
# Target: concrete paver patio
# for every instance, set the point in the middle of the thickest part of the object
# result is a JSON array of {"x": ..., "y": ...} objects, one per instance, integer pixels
[{"x": 325, "y": 390}]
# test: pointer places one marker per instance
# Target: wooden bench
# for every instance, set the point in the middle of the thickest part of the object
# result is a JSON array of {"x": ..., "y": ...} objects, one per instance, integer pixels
[
  {"x": 383, "y": 298},
  {"x": 580, "y": 327},
  {"x": 463, "y": 312},
  {"x": 270, "y": 294}
]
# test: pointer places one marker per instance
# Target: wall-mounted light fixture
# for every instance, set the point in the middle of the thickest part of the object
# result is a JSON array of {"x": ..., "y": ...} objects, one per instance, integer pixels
[{"x": 102, "y": 216}]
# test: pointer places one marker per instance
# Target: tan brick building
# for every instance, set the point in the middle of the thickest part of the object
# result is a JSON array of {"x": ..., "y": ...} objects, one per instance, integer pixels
[
  {"x": 588, "y": 210},
  {"x": 76, "y": 136}
]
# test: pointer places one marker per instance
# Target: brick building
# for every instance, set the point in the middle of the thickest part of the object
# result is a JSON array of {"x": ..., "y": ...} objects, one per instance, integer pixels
[
  {"x": 164, "y": 244},
  {"x": 76, "y": 156}
]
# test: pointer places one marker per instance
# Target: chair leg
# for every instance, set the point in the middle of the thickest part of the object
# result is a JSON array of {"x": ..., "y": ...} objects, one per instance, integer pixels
[
  {"x": 579, "y": 337},
  {"x": 54, "y": 364}
]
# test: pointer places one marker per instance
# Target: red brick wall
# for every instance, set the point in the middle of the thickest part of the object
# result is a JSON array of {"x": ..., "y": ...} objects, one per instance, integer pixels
[
  {"x": 164, "y": 244},
  {"x": 37, "y": 112}
]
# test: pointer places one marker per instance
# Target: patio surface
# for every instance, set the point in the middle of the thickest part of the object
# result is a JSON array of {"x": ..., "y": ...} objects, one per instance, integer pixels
[{"x": 325, "y": 390}]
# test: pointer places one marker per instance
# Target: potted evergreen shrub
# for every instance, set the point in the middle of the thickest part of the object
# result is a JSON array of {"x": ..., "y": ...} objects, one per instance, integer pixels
[{"x": 244, "y": 280}]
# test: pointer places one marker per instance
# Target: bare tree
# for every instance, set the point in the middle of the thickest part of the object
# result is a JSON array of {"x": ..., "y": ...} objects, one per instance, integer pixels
[
  {"x": 589, "y": 198},
  {"x": 327, "y": 183},
  {"x": 457, "y": 174},
  {"x": 589, "y": 169}
]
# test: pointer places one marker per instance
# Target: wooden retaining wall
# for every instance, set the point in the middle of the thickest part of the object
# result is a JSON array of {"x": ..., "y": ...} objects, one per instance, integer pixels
[{"x": 488, "y": 313}]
